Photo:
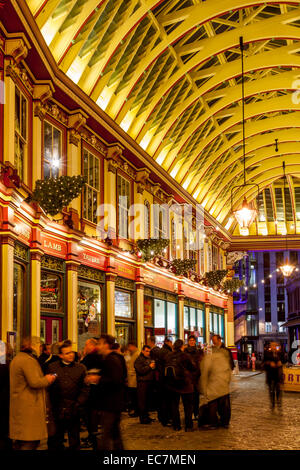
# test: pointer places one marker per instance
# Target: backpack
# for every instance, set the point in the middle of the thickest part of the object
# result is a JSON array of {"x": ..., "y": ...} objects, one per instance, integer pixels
[{"x": 174, "y": 372}]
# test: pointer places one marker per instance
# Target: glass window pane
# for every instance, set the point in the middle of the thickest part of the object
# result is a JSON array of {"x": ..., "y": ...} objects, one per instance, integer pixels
[
  {"x": 51, "y": 291},
  {"x": 17, "y": 110},
  {"x": 88, "y": 312},
  {"x": 171, "y": 319},
  {"x": 85, "y": 165},
  {"x": 193, "y": 318},
  {"x": 91, "y": 170},
  {"x": 123, "y": 306},
  {"x": 24, "y": 118},
  {"x": 216, "y": 323},
  {"x": 211, "y": 322},
  {"x": 56, "y": 144},
  {"x": 159, "y": 314},
  {"x": 97, "y": 173},
  {"x": 186, "y": 318},
  {"x": 18, "y": 303}
]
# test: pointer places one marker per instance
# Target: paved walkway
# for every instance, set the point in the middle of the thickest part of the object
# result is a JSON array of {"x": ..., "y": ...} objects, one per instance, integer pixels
[{"x": 253, "y": 425}]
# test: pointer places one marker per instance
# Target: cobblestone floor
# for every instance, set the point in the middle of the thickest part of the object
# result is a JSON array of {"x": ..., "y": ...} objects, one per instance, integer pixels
[{"x": 253, "y": 425}]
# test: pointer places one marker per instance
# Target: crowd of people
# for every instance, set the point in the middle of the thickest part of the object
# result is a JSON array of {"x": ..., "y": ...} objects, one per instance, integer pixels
[{"x": 51, "y": 391}]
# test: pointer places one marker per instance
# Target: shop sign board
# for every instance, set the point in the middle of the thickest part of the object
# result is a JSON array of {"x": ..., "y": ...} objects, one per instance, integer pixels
[
  {"x": 23, "y": 230},
  {"x": 53, "y": 246},
  {"x": 125, "y": 270},
  {"x": 291, "y": 379},
  {"x": 92, "y": 259}
]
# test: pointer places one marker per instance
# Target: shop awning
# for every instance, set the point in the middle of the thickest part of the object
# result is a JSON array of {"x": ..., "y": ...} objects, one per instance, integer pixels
[{"x": 292, "y": 322}]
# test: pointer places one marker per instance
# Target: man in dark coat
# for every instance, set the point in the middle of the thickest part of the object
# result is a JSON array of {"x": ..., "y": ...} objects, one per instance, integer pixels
[
  {"x": 144, "y": 367},
  {"x": 93, "y": 363},
  {"x": 111, "y": 396},
  {"x": 195, "y": 355},
  {"x": 178, "y": 380},
  {"x": 67, "y": 395},
  {"x": 164, "y": 411}
]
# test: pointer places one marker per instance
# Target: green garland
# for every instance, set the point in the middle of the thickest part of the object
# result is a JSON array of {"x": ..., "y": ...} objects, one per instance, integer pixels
[
  {"x": 53, "y": 194},
  {"x": 182, "y": 266},
  {"x": 214, "y": 278},
  {"x": 231, "y": 285},
  {"x": 151, "y": 247}
]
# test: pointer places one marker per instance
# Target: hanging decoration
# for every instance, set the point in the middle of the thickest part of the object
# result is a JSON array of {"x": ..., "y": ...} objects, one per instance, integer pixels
[
  {"x": 287, "y": 269},
  {"x": 231, "y": 285},
  {"x": 246, "y": 214},
  {"x": 181, "y": 267},
  {"x": 148, "y": 248},
  {"x": 214, "y": 279},
  {"x": 53, "y": 194}
]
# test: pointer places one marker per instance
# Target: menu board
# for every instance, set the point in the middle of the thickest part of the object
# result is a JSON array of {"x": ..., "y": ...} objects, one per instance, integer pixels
[
  {"x": 123, "y": 307},
  {"x": 51, "y": 291}
]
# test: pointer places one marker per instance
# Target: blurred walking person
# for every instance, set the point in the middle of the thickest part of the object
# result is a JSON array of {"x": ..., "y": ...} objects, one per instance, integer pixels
[
  {"x": 216, "y": 372},
  {"x": 195, "y": 355},
  {"x": 132, "y": 380},
  {"x": 179, "y": 383},
  {"x": 27, "y": 411},
  {"x": 111, "y": 394},
  {"x": 274, "y": 373}
]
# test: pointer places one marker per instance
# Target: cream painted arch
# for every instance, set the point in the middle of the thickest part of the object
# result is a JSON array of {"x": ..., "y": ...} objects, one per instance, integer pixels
[
  {"x": 262, "y": 146},
  {"x": 233, "y": 95},
  {"x": 266, "y": 156},
  {"x": 271, "y": 172},
  {"x": 252, "y": 110},
  {"x": 285, "y": 56},
  {"x": 254, "y": 129},
  {"x": 212, "y": 46}
]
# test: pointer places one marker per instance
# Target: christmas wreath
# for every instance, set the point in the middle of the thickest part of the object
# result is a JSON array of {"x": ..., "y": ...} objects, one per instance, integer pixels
[
  {"x": 53, "y": 194},
  {"x": 151, "y": 247},
  {"x": 182, "y": 266}
]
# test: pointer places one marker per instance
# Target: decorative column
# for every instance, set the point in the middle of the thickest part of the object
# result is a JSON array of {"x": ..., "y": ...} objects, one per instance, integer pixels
[
  {"x": 72, "y": 293},
  {"x": 140, "y": 337},
  {"x": 181, "y": 316},
  {"x": 7, "y": 283},
  {"x": 230, "y": 323},
  {"x": 35, "y": 291},
  {"x": 207, "y": 323},
  {"x": 110, "y": 303}
]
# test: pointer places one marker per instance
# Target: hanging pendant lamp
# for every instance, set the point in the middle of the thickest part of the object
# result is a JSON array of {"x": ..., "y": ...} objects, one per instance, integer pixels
[
  {"x": 246, "y": 214},
  {"x": 287, "y": 269}
]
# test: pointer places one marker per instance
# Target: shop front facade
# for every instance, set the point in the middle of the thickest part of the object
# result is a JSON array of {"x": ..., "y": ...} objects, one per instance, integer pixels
[{"x": 78, "y": 274}]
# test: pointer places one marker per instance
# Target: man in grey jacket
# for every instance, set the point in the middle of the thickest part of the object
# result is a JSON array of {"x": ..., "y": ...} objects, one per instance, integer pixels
[{"x": 215, "y": 380}]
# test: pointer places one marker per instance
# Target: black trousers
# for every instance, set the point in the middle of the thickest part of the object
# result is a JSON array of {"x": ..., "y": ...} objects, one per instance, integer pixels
[
  {"x": 132, "y": 399},
  {"x": 195, "y": 402},
  {"x": 163, "y": 404},
  {"x": 26, "y": 445},
  {"x": 274, "y": 391},
  {"x": 143, "y": 389},
  {"x": 222, "y": 407},
  {"x": 111, "y": 438},
  {"x": 72, "y": 427},
  {"x": 187, "y": 400}
]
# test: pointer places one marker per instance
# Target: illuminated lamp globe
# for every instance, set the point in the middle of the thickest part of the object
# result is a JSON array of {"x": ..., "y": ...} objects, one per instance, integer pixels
[
  {"x": 287, "y": 269},
  {"x": 245, "y": 216}
]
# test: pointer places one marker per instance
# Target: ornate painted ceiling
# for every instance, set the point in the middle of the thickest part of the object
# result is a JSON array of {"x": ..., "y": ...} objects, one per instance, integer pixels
[{"x": 169, "y": 73}]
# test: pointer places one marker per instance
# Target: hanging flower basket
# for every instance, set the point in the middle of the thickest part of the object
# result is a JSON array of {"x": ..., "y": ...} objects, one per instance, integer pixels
[
  {"x": 53, "y": 194},
  {"x": 231, "y": 285},
  {"x": 214, "y": 279},
  {"x": 151, "y": 247},
  {"x": 181, "y": 267}
]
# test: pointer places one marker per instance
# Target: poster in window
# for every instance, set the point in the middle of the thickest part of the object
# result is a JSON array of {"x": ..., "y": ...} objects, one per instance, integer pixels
[
  {"x": 123, "y": 306},
  {"x": 148, "y": 316},
  {"x": 51, "y": 291},
  {"x": 89, "y": 308}
]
